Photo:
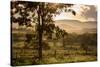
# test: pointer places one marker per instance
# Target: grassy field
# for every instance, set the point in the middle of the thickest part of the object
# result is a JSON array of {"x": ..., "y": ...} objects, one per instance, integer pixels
[{"x": 53, "y": 52}]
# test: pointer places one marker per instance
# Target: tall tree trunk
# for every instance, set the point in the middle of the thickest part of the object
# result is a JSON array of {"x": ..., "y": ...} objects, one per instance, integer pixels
[
  {"x": 40, "y": 28},
  {"x": 40, "y": 41},
  {"x": 40, "y": 32}
]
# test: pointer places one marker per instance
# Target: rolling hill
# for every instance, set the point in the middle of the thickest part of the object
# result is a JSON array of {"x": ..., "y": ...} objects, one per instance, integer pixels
[{"x": 74, "y": 26}]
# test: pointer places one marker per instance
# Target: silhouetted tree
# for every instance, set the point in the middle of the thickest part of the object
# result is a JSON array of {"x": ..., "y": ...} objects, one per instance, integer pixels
[{"x": 42, "y": 14}]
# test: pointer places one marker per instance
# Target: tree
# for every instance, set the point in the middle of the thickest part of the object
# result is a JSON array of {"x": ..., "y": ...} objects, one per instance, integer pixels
[{"x": 42, "y": 14}]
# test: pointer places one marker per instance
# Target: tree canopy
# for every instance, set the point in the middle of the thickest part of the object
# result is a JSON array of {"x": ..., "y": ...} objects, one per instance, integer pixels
[{"x": 40, "y": 13}]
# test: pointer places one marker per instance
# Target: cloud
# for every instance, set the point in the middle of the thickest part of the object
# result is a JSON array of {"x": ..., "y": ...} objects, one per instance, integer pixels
[
  {"x": 85, "y": 12},
  {"x": 91, "y": 14},
  {"x": 80, "y": 8}
]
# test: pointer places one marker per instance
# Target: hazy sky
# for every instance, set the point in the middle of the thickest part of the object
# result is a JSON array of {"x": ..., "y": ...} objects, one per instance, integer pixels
[{"x": 83, "y": 13}]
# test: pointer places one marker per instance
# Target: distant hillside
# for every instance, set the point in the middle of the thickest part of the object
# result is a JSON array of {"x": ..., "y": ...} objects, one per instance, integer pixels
[
  {"x": 93, "y": 30},
  {"x": 77, "y": 26}
]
